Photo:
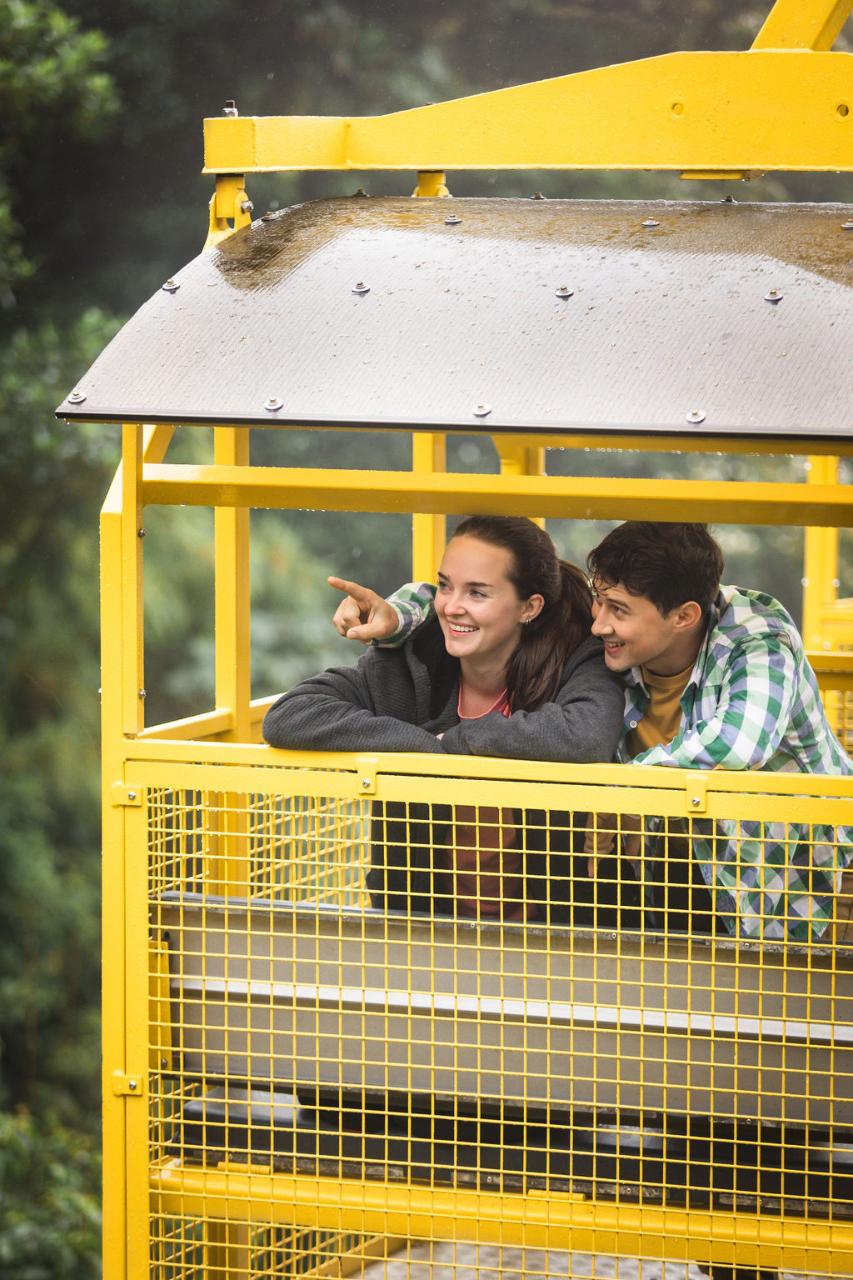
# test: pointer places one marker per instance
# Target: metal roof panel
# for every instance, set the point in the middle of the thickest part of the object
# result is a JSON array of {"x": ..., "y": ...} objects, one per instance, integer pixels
[{"x": 502, "y": 315}]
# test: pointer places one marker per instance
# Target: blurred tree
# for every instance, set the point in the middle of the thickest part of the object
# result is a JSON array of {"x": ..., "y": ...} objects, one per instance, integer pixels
[
  {"x": 49, "y": 1219},
  {"x": 49, "y": 73},
  {"x": 54, "y": 478}
]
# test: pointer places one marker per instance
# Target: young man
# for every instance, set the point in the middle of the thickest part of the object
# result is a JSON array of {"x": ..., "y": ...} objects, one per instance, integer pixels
[{"x": 715, "y": 678}]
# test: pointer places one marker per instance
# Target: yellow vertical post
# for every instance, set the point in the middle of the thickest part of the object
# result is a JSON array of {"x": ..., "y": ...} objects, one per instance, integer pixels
[
  {"x": 228, "y": 820},
  {"x": 130, "y": 624},
  {"x": 231, "y": 560},
  {"x": 820, "y": 568},
  {"x": 112, "y": 892},
  {"x": 429, "y": 454},
  {"x": 520, "y": 459},
  {"x": 121, "y": 713},
  {"x": 138, "y": 1079}
]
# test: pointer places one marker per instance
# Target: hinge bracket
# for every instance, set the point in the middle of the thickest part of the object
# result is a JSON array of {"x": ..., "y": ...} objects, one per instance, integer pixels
[
  {"x": 128, "y": 1086},
  {"x": 121, "y": 794}
]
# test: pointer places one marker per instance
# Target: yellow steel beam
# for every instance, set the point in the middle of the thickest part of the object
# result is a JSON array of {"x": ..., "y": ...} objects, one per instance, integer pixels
[
  {"x": 429, "y": 455},
  {"x": 520, "y": 458},
  {"x": 231, "y": 561},
  {"x": 536, "y": 1220},
  {"x": 803, "y": 24},
  {"x": 265, "y": 771},
  {"x": 820, "y": 564},
  {"x": 584, "y": 498},
  {"x": 760, "y": 110},
  {"x": 388, "y": 786}
]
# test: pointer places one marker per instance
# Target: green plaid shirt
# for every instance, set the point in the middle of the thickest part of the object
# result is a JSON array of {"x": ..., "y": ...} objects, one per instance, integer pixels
[{"x": 752, "y": 702}]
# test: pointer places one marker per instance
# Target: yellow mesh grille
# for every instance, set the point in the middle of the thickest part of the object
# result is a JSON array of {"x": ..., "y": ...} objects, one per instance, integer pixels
[{"x": 522, "y": 1039}]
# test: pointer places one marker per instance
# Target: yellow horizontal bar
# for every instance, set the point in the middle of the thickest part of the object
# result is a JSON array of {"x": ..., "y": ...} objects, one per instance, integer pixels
[
  {"x": 735, "y": 445},
  {"x": 193, "y": 728},
  {"x": 270, "y": 766},
  {"x": 535, "y": 1220},
  {"x": 757, "y": 110},
  {"x": 581, "y": 794},
  {"x": 831, "y": 661},
  {"x": 581, "y": 498}
]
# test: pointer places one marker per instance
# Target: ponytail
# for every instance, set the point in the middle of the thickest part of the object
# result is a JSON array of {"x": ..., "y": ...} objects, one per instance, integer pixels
[{"x": 547, "y": 641}]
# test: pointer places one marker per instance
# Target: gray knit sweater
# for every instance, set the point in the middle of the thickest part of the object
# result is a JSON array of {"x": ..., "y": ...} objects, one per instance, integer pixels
[{"x": 399, "y": 699}]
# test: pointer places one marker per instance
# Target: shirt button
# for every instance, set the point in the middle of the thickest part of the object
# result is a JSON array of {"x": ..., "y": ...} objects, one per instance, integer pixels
[{"x": 633, "y": 724}]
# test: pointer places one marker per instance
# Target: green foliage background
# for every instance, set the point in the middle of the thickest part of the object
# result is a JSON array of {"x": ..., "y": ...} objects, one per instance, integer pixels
[{"x": 100, "y": 199}]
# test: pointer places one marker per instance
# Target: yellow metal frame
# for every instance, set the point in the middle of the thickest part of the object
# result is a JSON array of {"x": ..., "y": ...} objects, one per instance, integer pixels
[
  {"x": 706, "y": 115},
  {"x": 786, "y": 104},
  {"x": 217, "y": 751}
]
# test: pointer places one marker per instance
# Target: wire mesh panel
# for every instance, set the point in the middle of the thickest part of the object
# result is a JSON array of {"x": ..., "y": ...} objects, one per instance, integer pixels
[{"x": 438, "y": 1013}]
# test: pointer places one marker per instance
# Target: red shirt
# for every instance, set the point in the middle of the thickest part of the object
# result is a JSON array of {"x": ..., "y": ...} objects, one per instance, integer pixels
[{"x": 484, "y": 855}]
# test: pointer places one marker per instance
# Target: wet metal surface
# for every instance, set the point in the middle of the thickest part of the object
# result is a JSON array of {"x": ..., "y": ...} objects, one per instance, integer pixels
[{"x": 559, "y": 315}]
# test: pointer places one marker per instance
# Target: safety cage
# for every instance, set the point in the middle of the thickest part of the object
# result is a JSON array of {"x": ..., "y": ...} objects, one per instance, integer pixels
[{"x": 307, "y": 1075}]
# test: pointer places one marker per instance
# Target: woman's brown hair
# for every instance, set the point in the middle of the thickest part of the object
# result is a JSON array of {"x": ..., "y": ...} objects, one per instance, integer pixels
[{"x": 547, "y": 641}]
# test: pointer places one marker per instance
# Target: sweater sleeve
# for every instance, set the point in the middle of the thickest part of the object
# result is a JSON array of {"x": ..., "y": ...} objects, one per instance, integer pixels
[
  {"x": 582, "y": 725},
  {"x": 335, "y": 711}
]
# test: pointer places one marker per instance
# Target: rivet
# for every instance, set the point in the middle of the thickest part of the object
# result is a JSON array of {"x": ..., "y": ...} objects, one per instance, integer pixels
[
  {"x": 141, "y": 693},
  {"x": 77, "y": 396},
  {"x": 537, "y": 195},
  {"x": 360, "y": 193},
  {"x": 564, "y": 291},
  {"x": 131, "y": 1084},
  {"x": 246, "y": 206},
  {"x": 847, "y": 226},
  {"x": 140, "y": 533},
  {"x": 365, "y": 784},
  {"x": 267, "y": 217},
  {"x": 164, "y": 1062},
  {"x": 650, "y": 222},
  {"x": 695, "y": 802},
  {"x": 482, "y": 410},
  {"x": 728, "y": 200},
  {"x": 451, "y": 220},
  {"x": 273, "y": 404},
  {"x": 131, "y": 795},
  {"x": 171, "y": 286},
  {"x": 773, "y": 295},
  {"x": 360, "y": 287},
  {"x": 695, "y": 416}
]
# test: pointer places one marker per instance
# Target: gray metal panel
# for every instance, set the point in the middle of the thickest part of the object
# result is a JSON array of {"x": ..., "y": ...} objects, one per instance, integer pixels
[
  {"x": 662, "y": 321},
  {"x": 558, "y": 1018}
]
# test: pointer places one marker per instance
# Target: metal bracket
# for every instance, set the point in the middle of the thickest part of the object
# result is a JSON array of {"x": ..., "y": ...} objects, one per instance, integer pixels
[
  {"x": 366, "y": 779},
  {"x": 697, "y": 794},
  {"x": 122, "y": 795},
  {"x": 128, "y": 1086}
]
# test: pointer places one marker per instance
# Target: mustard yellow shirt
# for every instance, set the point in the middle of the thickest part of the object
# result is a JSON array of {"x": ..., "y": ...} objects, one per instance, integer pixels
[{"x": 663, "y": 714}]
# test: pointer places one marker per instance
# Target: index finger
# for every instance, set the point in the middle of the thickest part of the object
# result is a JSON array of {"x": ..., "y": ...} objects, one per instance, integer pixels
[{"x": 362, "y": 595}]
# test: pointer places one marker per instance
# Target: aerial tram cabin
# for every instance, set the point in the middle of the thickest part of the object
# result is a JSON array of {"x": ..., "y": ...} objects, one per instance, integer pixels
[{"x": 294, "y": 1082}]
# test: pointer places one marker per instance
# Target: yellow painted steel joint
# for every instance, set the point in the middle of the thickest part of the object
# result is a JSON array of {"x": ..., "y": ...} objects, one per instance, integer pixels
[{"x": 230, "y": 208}]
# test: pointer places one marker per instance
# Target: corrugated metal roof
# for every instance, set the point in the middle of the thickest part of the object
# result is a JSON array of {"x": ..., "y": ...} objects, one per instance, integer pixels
[{"x": 502, "y": 315}]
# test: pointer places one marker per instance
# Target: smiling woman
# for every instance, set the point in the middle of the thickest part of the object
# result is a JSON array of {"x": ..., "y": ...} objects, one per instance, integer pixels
[{"x": 505, "y": 667}]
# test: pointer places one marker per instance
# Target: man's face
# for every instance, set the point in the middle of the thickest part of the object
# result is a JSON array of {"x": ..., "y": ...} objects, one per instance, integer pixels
[{"x": 634, "y": 631}]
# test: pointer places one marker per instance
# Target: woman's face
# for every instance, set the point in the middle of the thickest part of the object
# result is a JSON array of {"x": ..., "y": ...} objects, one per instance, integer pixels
[{"x": 477, "y": 605}]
